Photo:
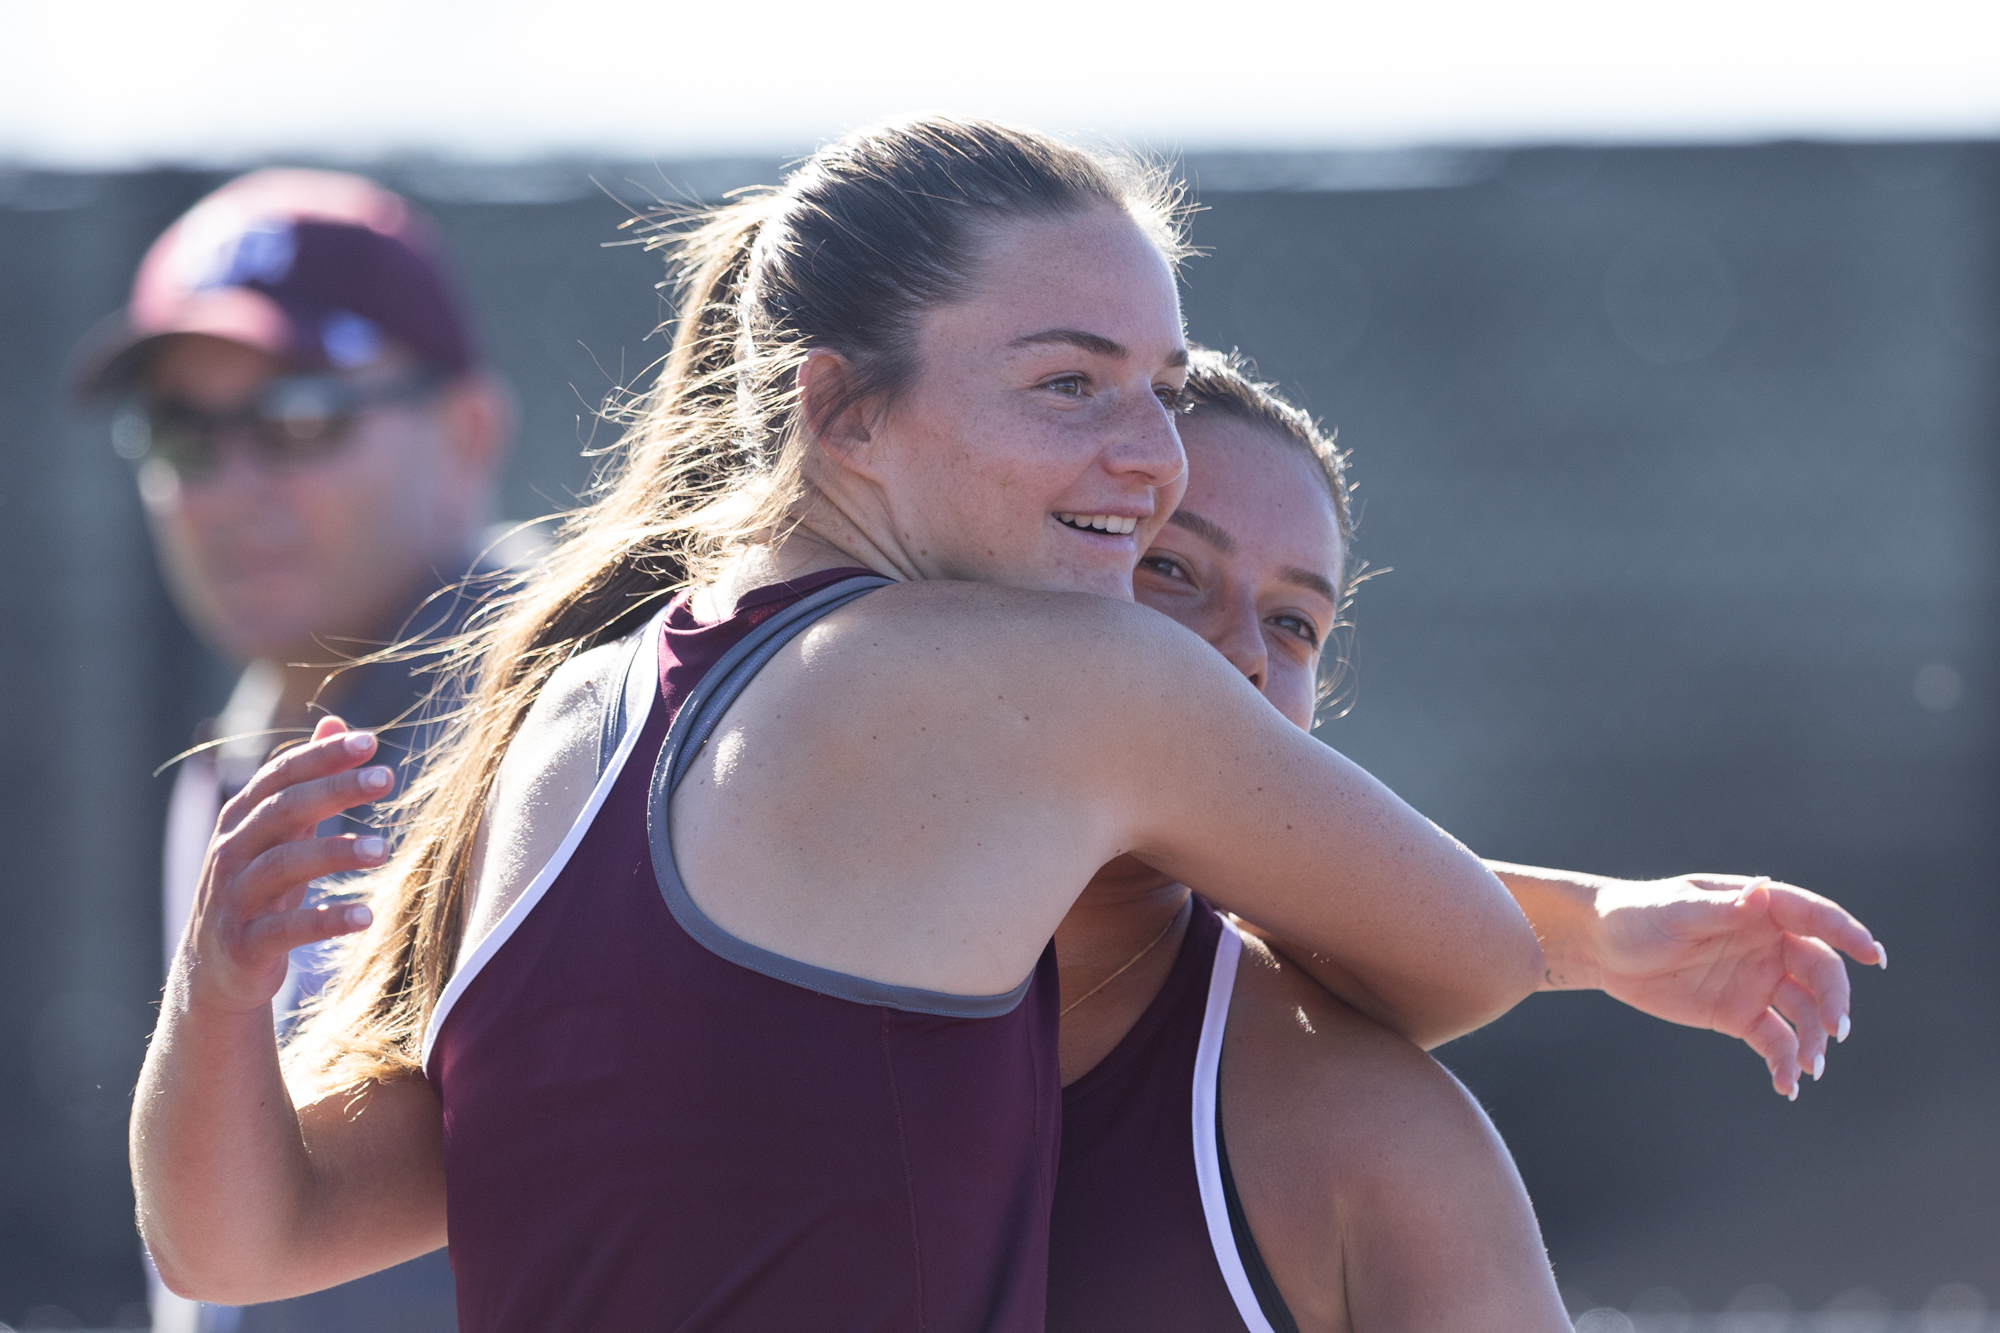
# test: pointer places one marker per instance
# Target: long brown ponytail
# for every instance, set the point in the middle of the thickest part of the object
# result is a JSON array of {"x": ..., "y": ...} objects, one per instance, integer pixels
[{"x": 860, "y": 242}]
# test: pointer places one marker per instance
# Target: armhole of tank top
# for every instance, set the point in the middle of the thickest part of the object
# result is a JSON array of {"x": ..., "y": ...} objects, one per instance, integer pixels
[
  {"x": 1207, "y": 1160},
  {"x": 628, "y": 703},
  {"x": 699, "y": 716},
  {"x": 631, "y": 702}
]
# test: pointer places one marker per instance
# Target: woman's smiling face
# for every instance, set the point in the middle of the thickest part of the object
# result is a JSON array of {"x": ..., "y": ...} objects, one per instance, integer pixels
[
  {"x": 1252, "y": 558},
  {"x": 1037, "y": 445}
]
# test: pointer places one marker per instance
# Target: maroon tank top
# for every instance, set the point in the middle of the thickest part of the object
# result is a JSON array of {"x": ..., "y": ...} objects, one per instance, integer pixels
[
  {"x": 1134, "y": 1243},
  {"x": 651, "y": 1125}
]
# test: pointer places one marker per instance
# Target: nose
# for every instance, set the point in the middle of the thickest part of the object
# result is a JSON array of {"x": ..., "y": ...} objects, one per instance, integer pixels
[
  {"x": 234, "y": 473},
  {"x": 1239, "y": 636},
  {"x": 1146, "y": 444}
]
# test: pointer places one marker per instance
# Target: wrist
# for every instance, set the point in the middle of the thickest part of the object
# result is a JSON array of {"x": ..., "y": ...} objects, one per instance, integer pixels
[
  {"x": 202, "y": 992},
  {"x": 1563, "y": 909}
]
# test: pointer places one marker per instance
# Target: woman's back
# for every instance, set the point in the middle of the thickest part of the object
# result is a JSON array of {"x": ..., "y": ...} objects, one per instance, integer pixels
[{"x": 640, "y": 1132}]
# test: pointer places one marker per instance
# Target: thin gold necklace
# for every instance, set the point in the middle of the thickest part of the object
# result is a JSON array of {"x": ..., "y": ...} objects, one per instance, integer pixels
[{"x": 1130, "y": 963}]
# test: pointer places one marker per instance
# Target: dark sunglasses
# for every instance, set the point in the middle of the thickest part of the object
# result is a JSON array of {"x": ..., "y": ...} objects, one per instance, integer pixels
[{"x": 295, "y": 419}]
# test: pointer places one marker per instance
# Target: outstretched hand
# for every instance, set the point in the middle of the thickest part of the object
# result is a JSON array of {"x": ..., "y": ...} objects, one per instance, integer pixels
[
  {"x": 1749, "y": 958},
  {"x": 249, "y": 910}
]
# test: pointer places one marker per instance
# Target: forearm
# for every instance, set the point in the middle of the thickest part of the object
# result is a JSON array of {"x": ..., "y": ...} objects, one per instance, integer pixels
[
  {"x": 1415, "y": 1010},
  {"x": 1425, "y": 942},
  {"x": 1476, "y": 960},
  {"x": 1562, "y": 906},
  {"x": 223, "y": 1178},
  {"x": 244, "y": 1195}
]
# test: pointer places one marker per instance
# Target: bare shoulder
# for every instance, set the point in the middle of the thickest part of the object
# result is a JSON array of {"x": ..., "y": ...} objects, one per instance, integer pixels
[
  {"x": 947, "y": 636},
  {"x": 1027, "y": 678},
  {"x": 576, "y": 690},
  {"x": 988, "y": 618},
  {"x": 543, "y": 783},
  {"x": 556, "y": 746}
]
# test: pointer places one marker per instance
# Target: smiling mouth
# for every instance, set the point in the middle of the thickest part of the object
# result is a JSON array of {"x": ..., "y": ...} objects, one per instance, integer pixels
[{"x": 1112, "y": 525}]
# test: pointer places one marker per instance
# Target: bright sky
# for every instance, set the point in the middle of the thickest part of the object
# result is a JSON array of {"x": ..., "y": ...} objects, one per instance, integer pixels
[{"x": 118, "y": 82}]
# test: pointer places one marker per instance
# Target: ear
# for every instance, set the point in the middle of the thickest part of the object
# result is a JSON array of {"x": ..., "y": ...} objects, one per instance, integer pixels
[
  {"x": 836, "y": 418},
  {"x": 478, "y": 413}
]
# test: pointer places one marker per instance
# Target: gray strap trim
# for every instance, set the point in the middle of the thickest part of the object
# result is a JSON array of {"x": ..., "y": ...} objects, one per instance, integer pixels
[
  {"x": 698, "y": 717},
  {"x": 618, "y": 709}
]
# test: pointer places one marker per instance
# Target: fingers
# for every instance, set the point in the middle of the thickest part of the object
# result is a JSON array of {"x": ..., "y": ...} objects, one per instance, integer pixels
[
  {"x": 278, "y": 933},
  {"x": 1796, "y": 1005},
  {"x": 1803, "y": 913},
  {"x": 1771, "y": 1038},
  {"x": 332, "y": 749},
  {"x": 292, "y": 813},
  {"x": 1816, "y": 967},
  {"x": 288, "y": 867}
]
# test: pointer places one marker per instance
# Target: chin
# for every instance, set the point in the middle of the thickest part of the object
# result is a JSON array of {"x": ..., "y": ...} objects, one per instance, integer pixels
[
  {"x": 1117, "y": 586},
  {"x": 1114, "y": 583},
  {"x": 271, "y": 631}
]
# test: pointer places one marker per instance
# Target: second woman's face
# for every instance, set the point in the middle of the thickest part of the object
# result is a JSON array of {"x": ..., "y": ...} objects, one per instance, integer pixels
[
  {"x": 1251, "y": 561},
  {"x": 1037, "y": 447}
]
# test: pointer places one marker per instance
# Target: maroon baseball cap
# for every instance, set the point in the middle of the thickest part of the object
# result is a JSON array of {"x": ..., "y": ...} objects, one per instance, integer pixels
[{"x": 317, "y": 267}]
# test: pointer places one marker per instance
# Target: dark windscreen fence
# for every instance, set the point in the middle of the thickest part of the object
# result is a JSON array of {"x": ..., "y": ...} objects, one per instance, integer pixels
[{"x": 1683, "y": 462}]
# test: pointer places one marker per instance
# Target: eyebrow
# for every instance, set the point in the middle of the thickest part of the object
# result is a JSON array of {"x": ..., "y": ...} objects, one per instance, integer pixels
[
  {"x": 1218, "y": 536},
  {"x": 1305, "y": 578},
  {"x": 1095, "y": 343},
  {"x": 1207, "y": 529}
]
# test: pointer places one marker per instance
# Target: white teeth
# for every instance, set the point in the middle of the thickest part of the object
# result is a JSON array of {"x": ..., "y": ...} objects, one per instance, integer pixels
[{"x": 1106, "y": 523}]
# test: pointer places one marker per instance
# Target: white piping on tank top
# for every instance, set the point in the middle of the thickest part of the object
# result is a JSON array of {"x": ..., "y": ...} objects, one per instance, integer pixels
[
  {"x": 641, "y": 687},
  {"x": 1207, "y": 1164}
]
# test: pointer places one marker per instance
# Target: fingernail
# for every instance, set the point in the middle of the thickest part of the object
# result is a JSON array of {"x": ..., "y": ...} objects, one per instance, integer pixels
[
  {"x": 375, "y": 779},
  {"x": 1819, "y": 1066},
  {"x": 1881, "y": 955},
  {"x": 1793, "y": 1095},
  {"x": 1845, "y": 1028},
  {"x": 359, "y": 916},
  {"x": 370, "y": 849},
  {"x": 359, "y": 742}
]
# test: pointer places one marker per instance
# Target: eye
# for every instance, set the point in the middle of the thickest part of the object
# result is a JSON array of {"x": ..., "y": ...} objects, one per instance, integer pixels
[
  {"x": 1297, "y": 626},
  {"x": 1171, "y": 396},
  {"x": 1069, "y": 386},
  {"x": 1166, "y": 567}
]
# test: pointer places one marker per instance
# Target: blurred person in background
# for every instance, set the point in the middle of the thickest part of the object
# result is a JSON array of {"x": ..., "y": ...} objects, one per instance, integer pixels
[{"x": 316, "y": 444}]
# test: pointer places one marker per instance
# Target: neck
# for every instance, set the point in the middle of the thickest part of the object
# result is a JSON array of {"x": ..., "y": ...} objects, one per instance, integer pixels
[
  {"x": 818, "y": 537},
  {"x": 303, "y": 687}
]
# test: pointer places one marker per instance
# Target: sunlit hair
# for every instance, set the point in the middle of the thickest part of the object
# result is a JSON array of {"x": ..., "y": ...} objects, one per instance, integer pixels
[
  {"x": 869, "y": 235},
  {"x": 1226, "y": 383}
]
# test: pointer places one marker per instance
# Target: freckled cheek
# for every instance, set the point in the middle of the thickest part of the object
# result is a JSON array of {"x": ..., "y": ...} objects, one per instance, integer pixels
[
  {"x": 1004, "y": 475},
  {"x": 1291, "y": 689}
]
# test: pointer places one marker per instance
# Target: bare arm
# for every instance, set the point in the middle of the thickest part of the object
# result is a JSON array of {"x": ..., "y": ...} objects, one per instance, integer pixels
[
  {"x": 242, "y": 1197},
  {"x": 949, "y": 764},
  {"x": 1333, "y": 859}
]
